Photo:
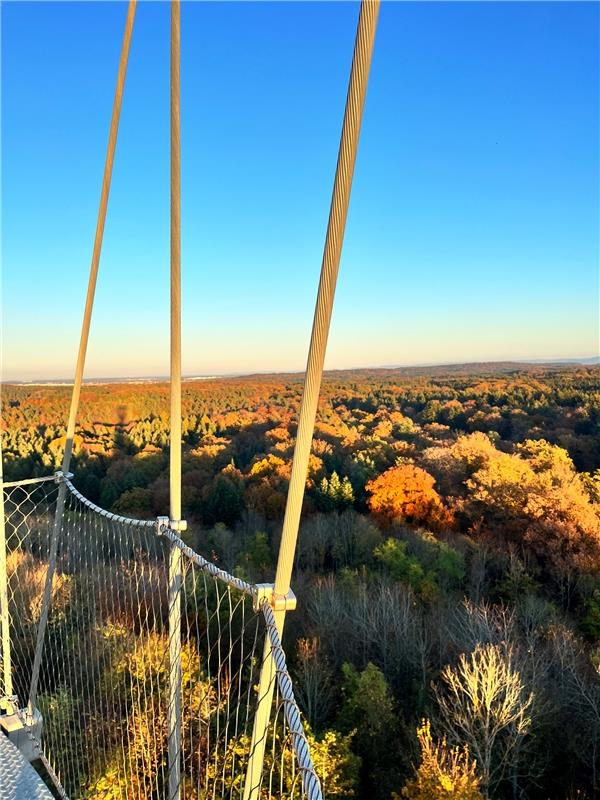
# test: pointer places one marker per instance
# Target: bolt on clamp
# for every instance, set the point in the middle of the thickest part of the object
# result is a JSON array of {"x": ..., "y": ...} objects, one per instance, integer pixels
[
  {"x": 164, "y": 523},
  {"x": 265, "y": 592}
]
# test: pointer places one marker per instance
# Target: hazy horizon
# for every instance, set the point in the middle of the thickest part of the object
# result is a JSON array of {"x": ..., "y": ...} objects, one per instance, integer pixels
[{"x": 592, "y": 360}]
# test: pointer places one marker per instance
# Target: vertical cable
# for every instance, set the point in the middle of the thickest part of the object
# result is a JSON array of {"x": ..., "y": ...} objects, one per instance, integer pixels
[
  {"x": 106, "y": 181},
  {"x": 363, "y": 50},
  {"x": 83, "y": 342},
  {"x": 359, "y": 75},
  {"x": 175, "y": 576},
  {"x": 175, "y": 449}
]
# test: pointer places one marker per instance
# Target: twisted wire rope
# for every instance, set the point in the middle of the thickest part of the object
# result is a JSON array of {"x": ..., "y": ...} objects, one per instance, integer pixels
[{"x": 310, "y": 780}]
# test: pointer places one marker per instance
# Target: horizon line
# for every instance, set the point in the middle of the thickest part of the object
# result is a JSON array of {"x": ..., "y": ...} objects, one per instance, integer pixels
[{"x": 190, "y": 377}]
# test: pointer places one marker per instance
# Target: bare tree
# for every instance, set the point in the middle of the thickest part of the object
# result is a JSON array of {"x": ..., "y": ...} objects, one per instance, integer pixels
[
  {"x": 313, "y": 682},
  {"x": 483, "y": 703},
  {"x": 578, "y": 687},
  {"x": 482, "y": 623}
]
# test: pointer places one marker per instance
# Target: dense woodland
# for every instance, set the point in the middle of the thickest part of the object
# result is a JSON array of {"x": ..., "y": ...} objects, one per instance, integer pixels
[{"x": 447, "y": 636}]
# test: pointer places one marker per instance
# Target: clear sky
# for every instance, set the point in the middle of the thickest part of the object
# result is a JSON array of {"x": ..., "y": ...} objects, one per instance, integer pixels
[{"x": 473, "y": 226}]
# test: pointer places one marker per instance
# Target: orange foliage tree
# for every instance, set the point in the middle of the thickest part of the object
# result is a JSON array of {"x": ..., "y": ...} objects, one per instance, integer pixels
[
  {"x": 536, "y": 496},
  {"x": 406, "y": 492}
]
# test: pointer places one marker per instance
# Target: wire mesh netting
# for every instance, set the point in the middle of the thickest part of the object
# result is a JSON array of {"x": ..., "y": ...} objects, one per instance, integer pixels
[
  {"x": 29, "y": 508},
  {"x": 104, "y": 677},
  {"x": 288, "y": 769}
]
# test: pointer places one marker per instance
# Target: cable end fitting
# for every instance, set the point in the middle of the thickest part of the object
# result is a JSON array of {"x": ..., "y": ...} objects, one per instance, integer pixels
[
  {"x": 165, "y": 524},
  {"x": 265, "y": 593}
]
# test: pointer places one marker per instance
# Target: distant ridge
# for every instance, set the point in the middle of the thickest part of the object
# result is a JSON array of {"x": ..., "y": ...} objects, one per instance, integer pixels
[{"x": 469, "y": 367}]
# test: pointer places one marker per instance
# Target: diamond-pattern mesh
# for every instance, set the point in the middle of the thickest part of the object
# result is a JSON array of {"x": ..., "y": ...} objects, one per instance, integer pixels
[
  {"x": 104, "y": 679},
  {"x": 29, "y": 515}
]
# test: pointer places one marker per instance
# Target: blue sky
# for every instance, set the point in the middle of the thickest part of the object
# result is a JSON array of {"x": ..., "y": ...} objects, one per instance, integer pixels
[{"x": 473, "y": 226}]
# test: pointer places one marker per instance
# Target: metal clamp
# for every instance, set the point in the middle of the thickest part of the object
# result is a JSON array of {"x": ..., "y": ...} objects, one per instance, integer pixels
[
  {"x": 24, "y": 730},
  {"x": 9, "y": 703},
  {"x": 59, "y": 476},
  {"x": 164, "y": 523},
  {"x": 265, "y": 593}
]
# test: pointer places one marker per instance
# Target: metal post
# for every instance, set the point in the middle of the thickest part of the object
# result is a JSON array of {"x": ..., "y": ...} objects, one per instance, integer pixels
[
  {"x": 361, "y": 62},
  {"x": 175, "y": 575},
  {"x": 83, "y": 342},
  {"x": 45, "y": 610},
  {"x": 6, "y": 686},
  {"x": 174, "y": 708}
]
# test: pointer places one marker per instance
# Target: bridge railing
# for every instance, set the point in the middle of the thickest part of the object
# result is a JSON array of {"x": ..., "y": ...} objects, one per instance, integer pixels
[{"x": 109, "y": 658}]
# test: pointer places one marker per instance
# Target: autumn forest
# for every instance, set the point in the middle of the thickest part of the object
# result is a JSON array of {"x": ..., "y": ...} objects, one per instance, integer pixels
[{"x": 447, "y": 636}]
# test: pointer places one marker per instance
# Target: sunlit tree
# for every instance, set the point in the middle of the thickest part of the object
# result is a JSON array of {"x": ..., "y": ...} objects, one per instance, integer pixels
[
  {"x": 444, "y": 772},
  {"x": 407, "y": 493}
]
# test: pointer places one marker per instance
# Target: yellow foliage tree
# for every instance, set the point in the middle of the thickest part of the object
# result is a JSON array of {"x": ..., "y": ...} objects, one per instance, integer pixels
[
  {"x": 271, "y": 465},
  {"x": 537, "y": 495},
  {"x": 445, "y": 773},
  {"x": 335, "y": 763}
]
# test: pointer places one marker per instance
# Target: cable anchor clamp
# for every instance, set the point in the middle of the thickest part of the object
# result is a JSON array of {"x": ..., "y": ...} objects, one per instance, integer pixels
[
  {"x": 60, "y": 476},
  {"x": 265, "y": 593},
  {"x": 9, "y": 703},
  {"x": 165, "y": 524}
]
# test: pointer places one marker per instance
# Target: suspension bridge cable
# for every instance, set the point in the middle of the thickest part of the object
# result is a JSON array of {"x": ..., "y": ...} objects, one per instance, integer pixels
[
  {"x": 175, "y": 440},
  {"x": 359, "y": 75},
  {"x": 83, "y": 342},
  {"x": 363, "y": 50},
  {"x": 106, "y": 181},
  {"x": 175, "y": 568}
]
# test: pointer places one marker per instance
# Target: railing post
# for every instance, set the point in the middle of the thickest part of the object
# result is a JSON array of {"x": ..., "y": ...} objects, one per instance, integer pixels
[
  {"x": 357, "y": 88},
  {"x": 6, "y": 686},
  {"x": 174, "y": 708},
  {"x": 266, "y": 688},
  {"x": 47, "y": 596}
]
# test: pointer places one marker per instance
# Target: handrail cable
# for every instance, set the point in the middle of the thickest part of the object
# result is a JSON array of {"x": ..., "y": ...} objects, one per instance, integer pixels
[
  {"x": 108, "y": 603},
  {"x": 208, "y": 566},
  {"x": 26, "y": 481},
  {"x": 136, "y": 523},
  {"x": 310, "y": 780},
  {"x": 226, "y": 577}
]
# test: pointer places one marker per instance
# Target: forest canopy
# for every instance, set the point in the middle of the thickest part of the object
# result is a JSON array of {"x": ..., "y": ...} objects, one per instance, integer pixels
[{"x": 448, "y": 564}]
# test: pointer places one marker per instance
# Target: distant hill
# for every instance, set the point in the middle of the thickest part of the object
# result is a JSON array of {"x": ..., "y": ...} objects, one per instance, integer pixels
[
  {"x": 467, "y": 368},
  {"x": 473, "y": 368}
]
